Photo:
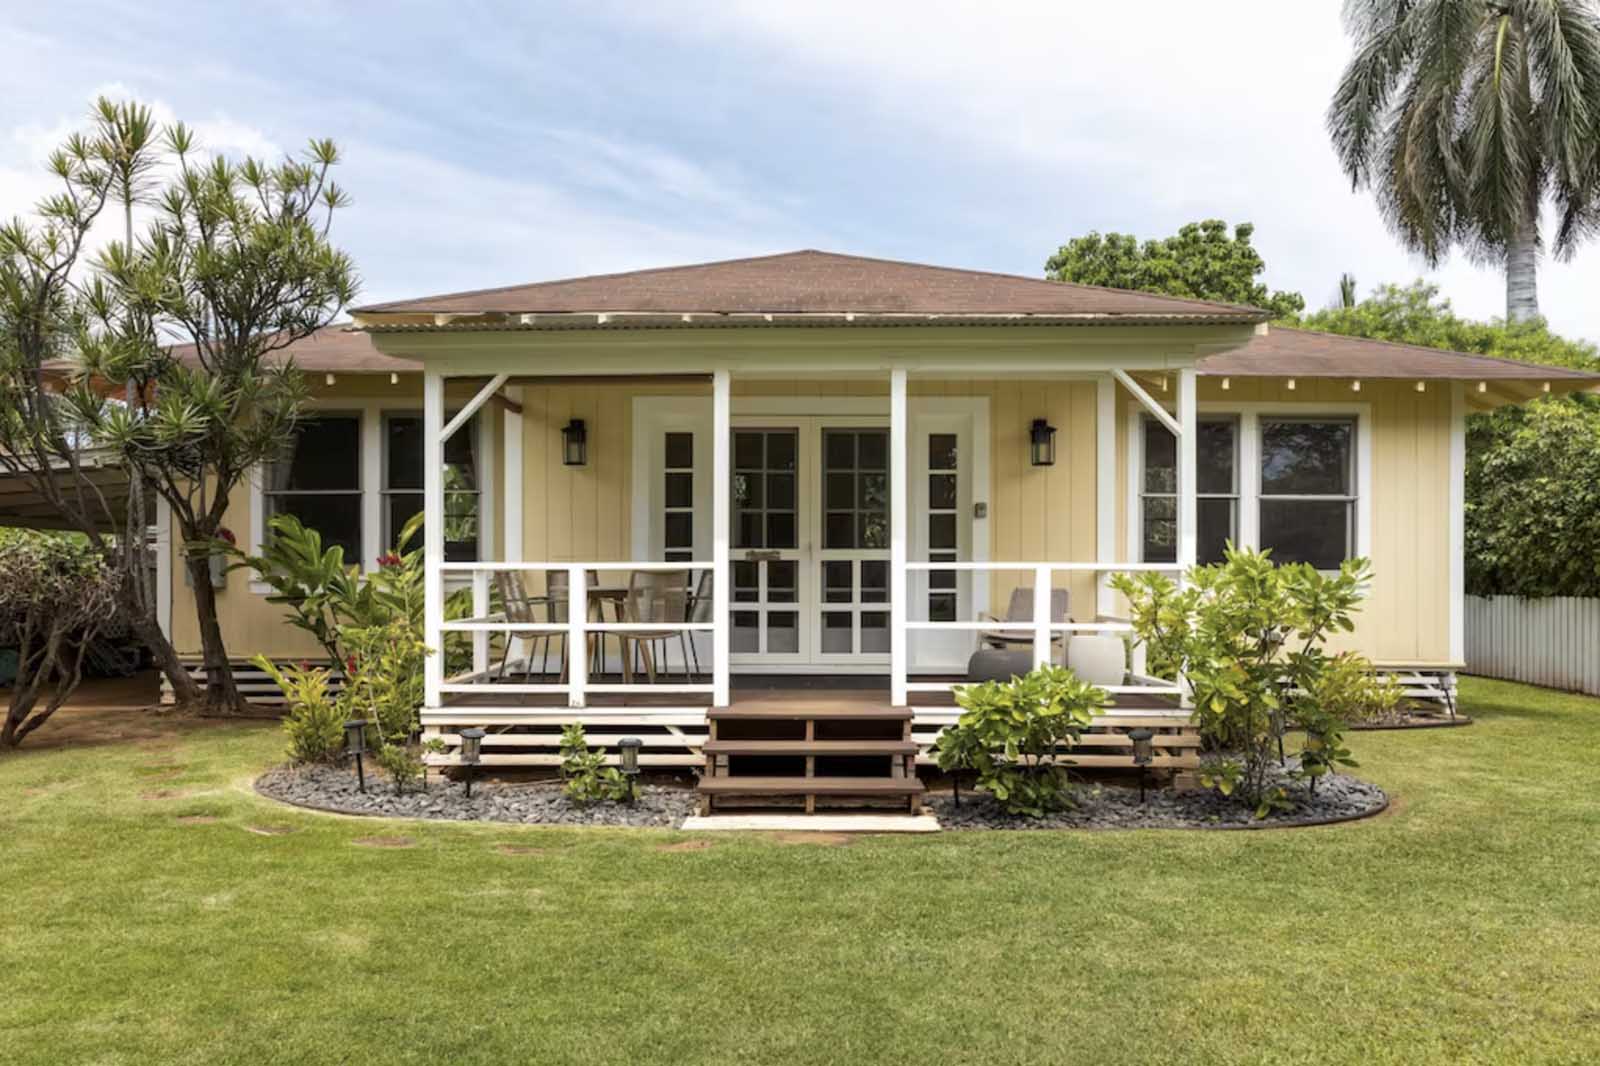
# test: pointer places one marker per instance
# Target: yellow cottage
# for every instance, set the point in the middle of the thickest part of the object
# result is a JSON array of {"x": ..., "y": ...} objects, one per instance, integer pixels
[{"x": 809, "y": 478}]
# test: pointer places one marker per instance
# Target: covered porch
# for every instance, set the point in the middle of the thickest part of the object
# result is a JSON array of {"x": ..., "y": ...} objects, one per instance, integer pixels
[{"x": 840, "y": 541}]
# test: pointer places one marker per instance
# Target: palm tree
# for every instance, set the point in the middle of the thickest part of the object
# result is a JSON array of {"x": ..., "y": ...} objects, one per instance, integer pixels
[
  {"x": 1465, "y": 117},
  {"x": 1347, "y": 290}
]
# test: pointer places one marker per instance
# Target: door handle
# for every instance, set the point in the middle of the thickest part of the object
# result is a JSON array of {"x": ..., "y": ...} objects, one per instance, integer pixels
[{"x": 754, "y": 556}]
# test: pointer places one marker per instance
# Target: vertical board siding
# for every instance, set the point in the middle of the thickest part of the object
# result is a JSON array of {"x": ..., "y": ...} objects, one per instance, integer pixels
[{"x": 1552, "y": 642}]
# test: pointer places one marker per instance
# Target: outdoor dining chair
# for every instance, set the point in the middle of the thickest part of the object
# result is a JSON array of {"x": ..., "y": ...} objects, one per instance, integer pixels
[
  {"x": 1020, "y": 609},
  {"x": 655, "y": 596}
]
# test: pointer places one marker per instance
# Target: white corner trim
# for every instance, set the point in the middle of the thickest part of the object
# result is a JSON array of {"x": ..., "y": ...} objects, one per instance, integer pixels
[
  {"x": 164, "y": 575},
  {"x": 1458, "y": 522}
]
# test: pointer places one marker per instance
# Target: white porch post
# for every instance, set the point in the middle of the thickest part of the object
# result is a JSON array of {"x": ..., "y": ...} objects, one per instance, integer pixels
[
  {"x": 721, "y": 519},
  {"x": 898, "y": 521},
  {"x": 1188, "y": 470},
  {"x": 1105, "y": 486},
  {"x": 510, "y": 508},
  {"x": 1188, "y": 534},
  {"x": 1458, "y": 520},
  {"x": 433, "y": 532}
]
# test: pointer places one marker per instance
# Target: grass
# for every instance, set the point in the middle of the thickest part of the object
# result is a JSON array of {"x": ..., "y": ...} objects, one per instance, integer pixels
[{"x": 1461, "y": 927}]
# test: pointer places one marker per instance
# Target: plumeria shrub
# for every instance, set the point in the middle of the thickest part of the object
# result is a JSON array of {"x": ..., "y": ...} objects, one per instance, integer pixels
[
  {"x": 585, "y": 777},
  {"x": 1016, "y": 734},
  {"x": 1248, "y": 637}
]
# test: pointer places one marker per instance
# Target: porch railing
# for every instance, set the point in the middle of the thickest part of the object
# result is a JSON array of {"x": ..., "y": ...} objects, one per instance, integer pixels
[
  {"x": 1043, "y": 628},
  {"x": 576, "y": 631}
]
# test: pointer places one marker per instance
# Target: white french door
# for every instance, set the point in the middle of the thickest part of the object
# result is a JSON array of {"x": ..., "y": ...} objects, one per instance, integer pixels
[{"x": 809, "y": 543}]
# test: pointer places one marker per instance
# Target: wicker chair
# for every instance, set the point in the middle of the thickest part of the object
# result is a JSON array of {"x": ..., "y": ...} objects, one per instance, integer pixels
[
  {"x": 655, "y": 596},
  {"x": 699, "y": 610}
]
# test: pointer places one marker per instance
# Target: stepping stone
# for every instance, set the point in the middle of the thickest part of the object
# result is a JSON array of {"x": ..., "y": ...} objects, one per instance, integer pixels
[
  {"x": 685, "y": 845},
  {"x": 384, "y": 842},
  {"x": 826, "y": 840},
  {"x": 518, "y": 849}
]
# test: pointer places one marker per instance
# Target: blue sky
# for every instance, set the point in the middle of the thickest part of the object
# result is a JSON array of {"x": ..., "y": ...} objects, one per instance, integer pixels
[{"x": 489, "y": 144}]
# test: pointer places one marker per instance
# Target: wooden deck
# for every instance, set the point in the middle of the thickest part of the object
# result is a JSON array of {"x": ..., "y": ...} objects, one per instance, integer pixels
[{"x": 524, "y": 729}]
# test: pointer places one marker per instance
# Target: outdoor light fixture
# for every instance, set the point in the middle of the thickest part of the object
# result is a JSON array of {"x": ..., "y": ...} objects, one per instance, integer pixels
[
  {"x": 355, "y": 743},
  {"x": 574, "y": 443},
  {"x": 628, "y": 755},
  {"x": 471, "y": 752},
  {"x": 1042, "y": 443},
  {"x": 1144, "y": 753}
]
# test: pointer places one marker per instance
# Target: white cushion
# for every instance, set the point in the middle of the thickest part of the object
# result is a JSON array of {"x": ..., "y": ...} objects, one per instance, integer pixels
[{"x": 1098, "y": 658}]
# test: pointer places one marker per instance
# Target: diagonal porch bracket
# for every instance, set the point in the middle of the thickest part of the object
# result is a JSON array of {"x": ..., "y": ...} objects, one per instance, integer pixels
[
  {"x": 472, "y": 406},
  {"x": 1160, "y": 413}
]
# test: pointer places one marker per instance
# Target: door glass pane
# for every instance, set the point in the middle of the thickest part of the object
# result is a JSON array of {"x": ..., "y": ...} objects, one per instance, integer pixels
[
  {"x": 856, "y": 489},
  {"x": 680, "y": 451},
  {"x": 874, "y": 632},
  {"x": 781, "y": 581},
  {"x": 746, "y": 632},
  {"x": 680, "y": 490},
  {"x": 942, "y": 491},
  {"x": 874, "y": 581},
  {"x": 942, "y": 531},
  {"x": 836, "y": 632},
  {"x": 836, "y": 581},
  {"x": 783, "y": 632},
  {"x": 745, "y": 578},
  {"x": 763, "y": 488},
  {"x": 942, "y": 451}
]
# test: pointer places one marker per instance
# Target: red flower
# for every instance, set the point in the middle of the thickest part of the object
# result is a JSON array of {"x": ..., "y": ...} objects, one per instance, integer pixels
[
  {"x": 350, "y": 665},
  {"x": 224, "y": 533},
  {"x": 389, "y": 559}
]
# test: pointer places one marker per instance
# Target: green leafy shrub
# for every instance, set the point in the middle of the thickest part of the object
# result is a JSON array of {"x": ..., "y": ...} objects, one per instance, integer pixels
[
  {"x": 585, "y": 777},
  {"x": 1015, "y": 735},
  {"x": 315, "y": 722},
  {"x": 402, "y": 763},
  {"x": 55, "y": 594},
  {"x": 1345, "y": 690},
  {"x": 1246, "y": 634}
]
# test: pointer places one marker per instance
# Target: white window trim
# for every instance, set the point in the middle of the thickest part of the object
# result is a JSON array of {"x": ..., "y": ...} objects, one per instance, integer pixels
[
  {"x": 371, "y": 413},
  {"x": 1249, "y": 459}
]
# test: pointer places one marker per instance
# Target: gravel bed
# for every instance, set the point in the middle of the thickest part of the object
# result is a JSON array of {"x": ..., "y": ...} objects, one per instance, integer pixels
[
  {"x": 332, "y": 788},
  {"x": 1338, "y": 798}
]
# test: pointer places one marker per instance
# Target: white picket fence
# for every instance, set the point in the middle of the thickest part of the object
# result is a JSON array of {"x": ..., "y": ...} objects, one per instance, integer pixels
[{"x": 1553, "y": 642}]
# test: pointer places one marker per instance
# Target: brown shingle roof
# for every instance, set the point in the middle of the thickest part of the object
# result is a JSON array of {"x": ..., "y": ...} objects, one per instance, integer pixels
[
  {"x": 1284, "y": 352},
  {"x": 813, "y": 282}
]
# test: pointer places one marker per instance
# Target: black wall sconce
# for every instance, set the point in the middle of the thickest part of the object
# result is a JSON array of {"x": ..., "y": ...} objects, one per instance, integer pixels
[
  {"x": 574, "y": 443},
  {"x": 1042, "y": 443}
]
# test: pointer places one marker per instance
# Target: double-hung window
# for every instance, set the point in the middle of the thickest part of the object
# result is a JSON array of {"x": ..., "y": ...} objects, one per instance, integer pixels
[
  {"x": 402, "y": 484},
  {"x": 319, "y": 481},
  {"x": 1217, "y": 490},
  {"x": 1308, "y": 496}
]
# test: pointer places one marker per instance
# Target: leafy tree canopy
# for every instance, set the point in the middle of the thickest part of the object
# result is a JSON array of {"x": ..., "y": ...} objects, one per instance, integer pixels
[
  {"x": 1200, "y": 262},
  {"x": 1418, "y": 314}
]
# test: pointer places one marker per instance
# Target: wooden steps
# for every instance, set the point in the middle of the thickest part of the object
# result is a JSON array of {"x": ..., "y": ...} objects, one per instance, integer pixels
[
  {"x": 773, "y": 753},
  {"x": 814, "y": 786},
  {"x": 810, "y": 747}
]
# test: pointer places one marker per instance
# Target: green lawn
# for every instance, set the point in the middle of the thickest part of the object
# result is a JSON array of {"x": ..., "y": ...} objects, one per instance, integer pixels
[{"x": 1463, "y": 926}]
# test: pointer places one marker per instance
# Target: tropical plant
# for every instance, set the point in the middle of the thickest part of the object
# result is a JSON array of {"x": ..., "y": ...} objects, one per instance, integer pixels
[
  {"x": 314, "y": 724},
  {"x": 1347, "y": 291},
  {"x": 1245, "y": 634},
  {"x": 55, "y": 594},
  {"x": 1345, "y": 690},
  {"x": 585, "y": 777},
  {"x": 43, "y": 312},
  {"x": 237, "y": 264},
  {"x": 1016, "y": 735},
  {"x": 1465, "y": 116},
  {"x": 1200, "y": 262}
]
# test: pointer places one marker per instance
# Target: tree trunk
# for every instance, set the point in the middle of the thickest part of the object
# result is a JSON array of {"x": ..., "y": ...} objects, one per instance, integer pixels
[
  {"x": 222, "y": 694},
  {"x": 148, "y": 630},
  {"x": 1522, "y": 268}
]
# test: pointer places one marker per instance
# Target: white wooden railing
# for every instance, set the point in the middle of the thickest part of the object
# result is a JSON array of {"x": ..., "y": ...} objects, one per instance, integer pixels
[
  {"x": 1043, "y": 628},
  {"x": 576, "y": 631}
]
